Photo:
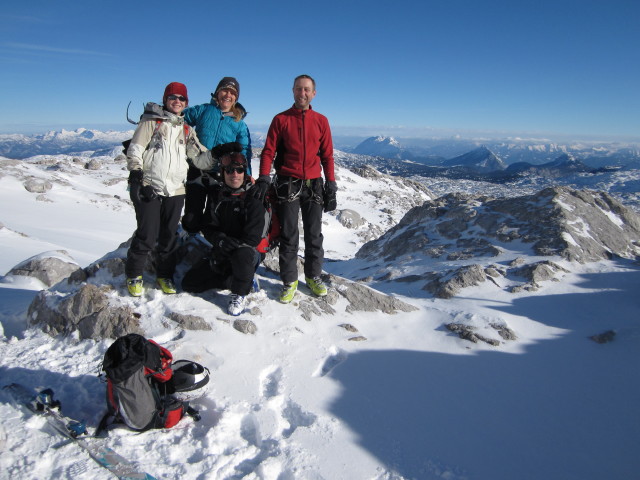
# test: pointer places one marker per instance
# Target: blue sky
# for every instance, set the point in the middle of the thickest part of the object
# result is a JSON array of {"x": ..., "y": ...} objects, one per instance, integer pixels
[{"x": 563, "y": 67}]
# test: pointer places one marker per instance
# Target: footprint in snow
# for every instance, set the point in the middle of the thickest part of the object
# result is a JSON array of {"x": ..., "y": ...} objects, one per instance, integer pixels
[
  {"x": 250, "y": 431},
  {"x": 270, "y": 382},
  {"x": 336, "y": 357},
  {"x": 296, "y": 417}
]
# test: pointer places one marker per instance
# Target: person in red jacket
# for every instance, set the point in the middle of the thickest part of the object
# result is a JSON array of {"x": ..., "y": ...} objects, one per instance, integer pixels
[{"x": 299, "y": 140}]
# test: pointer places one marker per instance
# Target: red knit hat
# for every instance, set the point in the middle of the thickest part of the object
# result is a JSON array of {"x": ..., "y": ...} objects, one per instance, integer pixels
[{"x": 175, "y": 88}]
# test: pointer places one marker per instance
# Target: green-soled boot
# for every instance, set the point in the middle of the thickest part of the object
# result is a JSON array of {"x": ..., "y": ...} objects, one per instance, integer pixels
[
  {"x": 134, "y": 285},
  {"x": 288, "y": 292},
  {"x": 166, "y": 284},
  {"x": 317, "y": 286}
]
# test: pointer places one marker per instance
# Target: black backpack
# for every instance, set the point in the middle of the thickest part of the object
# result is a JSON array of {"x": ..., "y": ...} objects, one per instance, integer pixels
[{"x": 138, "y": 376}]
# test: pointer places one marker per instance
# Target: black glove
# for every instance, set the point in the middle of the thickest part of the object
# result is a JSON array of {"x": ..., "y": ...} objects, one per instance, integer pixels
[
  {"x": 227, "y": 244},
  {"x": 148, "y": 193},
  {"x": 222, "y": 149},
  {"x": 330, "y": 202},
  {"x": 135, "y": 176},
  {"x": 259, "y": 189},
  {"x": 135, "y": 184}
]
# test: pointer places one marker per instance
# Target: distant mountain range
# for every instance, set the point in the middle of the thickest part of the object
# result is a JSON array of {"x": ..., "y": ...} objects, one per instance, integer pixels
[
  {"x": 448, "y": 152},
  {"x": 452, "y": 158},
  {"x": 67, "y": 142}
]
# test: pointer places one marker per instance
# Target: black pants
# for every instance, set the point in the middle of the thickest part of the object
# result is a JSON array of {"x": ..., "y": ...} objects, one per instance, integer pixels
[
  {"x": 198, "y": 187},
  {"x": 234, "y": 272},
  {"x": 157, "y": 228},
  {"x": 309, "y": 204}
]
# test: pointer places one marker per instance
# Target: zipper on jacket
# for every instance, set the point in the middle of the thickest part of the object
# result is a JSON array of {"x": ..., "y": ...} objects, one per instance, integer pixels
[{"x": 304, "y": 148}]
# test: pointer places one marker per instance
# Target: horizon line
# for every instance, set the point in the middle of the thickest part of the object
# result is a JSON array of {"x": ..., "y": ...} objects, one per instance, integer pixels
[{"x": 365, "y": 131}]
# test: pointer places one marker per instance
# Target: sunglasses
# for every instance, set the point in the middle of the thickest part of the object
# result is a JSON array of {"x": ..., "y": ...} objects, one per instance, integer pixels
[
  {"x": 231, "y": 170},
  {"x": 177, "y": 97},
  {"x": 230, "y": 158}
]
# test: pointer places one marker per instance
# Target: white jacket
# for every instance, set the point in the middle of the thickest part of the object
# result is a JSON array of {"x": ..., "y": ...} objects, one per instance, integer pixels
[{"x": 159, "y": 149}]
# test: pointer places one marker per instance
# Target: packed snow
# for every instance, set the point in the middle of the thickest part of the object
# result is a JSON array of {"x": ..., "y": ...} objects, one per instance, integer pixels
[{"x": 304, "y": 400}]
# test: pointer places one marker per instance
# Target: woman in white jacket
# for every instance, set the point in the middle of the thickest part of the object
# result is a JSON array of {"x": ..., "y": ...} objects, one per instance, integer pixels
[{"x": 157, "y": 161}]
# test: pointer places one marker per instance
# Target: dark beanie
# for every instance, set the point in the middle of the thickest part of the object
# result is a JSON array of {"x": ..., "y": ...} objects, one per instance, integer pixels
[
  {"x": 175, "y": 88},
  {"x": 230, "y": 83}
]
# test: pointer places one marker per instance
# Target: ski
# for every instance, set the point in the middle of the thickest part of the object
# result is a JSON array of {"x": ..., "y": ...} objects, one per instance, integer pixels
[{"x": 42, "y": 403}]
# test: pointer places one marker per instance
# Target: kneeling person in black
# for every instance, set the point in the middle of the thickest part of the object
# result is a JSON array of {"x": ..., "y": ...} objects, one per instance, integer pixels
[{"x": 234, "y": 223}]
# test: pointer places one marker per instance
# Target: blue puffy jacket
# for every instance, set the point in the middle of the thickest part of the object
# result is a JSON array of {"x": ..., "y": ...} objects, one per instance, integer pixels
[{"x": 214, "y": 128}]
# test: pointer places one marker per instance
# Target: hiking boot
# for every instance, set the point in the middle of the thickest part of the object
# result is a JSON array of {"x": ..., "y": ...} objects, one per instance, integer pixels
[
  {"x": 288, "y": 292},
  {"x": 134, "y": 285},
  {"x": 236, "y": 304},
  {"x": 317, "y": 286},
  {"x": 166, "y": 284}
]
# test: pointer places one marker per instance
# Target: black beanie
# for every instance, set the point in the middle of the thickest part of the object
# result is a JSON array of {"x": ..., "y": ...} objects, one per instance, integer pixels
[{"x": 230, "y": 83}]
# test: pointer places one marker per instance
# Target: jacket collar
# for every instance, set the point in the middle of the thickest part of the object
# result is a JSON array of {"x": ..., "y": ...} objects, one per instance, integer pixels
[
  {"x": 297, "y": 111},
  {"x": 153, "y": 111}
]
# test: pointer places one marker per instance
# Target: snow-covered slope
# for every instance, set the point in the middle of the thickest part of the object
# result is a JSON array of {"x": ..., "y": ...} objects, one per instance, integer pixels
[{"x": 336, "y": 392}]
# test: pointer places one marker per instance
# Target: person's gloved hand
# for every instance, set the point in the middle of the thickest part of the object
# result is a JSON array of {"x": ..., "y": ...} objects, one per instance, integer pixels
[
  {"x": 224, "y": 148},
  {"x": 148, "y": 193},
  {"x": 135, "y": 184},
  {"x": 227, "y": 244},
  {"x": 259, "y": 189},
  {"x": 330, "y": 190},
  {"x": 193, "y": 148}
]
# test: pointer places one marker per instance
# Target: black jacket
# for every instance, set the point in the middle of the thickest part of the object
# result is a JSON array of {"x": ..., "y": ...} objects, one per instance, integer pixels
[{"x": 235, "y": 214}]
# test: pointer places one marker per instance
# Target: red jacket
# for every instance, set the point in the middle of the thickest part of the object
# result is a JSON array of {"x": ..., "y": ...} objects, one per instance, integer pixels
[{"x": 302, "y": 141}]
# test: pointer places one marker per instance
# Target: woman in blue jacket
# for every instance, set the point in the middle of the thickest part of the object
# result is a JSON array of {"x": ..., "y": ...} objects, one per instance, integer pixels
[{"x": 218, "y": 122}]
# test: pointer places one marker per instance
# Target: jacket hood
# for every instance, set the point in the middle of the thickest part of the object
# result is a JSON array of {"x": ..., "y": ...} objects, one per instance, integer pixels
[{"x": 153, "y": 111}]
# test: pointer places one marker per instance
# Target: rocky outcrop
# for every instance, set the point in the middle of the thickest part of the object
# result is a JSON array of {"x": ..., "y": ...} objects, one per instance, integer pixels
[
  {"x": 93, "y": 164},
  {"x": 449, "y": 284},
  {"x": 49, "y": 267},
  {"x": 572, "y": 225},
  {"x": 86, "y": 310},
  {"x": 36, "y": 185},
  {"x": 467, "y": 332},
  {"x": 350, "y": 218},
  {"x": 89, "y": 304}
]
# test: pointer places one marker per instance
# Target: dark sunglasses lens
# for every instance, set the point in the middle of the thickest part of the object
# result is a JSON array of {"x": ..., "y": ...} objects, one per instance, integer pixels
[
  {"x": 177, "y": 97},
  {"x": 234, "y": 169}
]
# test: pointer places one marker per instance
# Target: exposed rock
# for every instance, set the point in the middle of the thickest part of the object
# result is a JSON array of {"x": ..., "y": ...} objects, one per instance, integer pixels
[
  {"x": 364, "y": 299},
  {"x": 350, "y": 218},
  {"x": 466, "y": 332},
  {"x": 114, "y": 181},
  {"x": 516, "y": 262},
  {"x": 189, "y": 322},
  {"x": 505, "y": 332},
  {"x": 7, "y": 162},
  {"x": 348, "y": 327},
  {"x": 359, "y": 338},
  {"x": 452, "y": 282},
  {"x": 494, "y": 271},
  {"x": 575, "y": 225},
  {"x": 540, "y": 271},
  {"x": 49, "y": 267},
  {"x": 245, "y": 326},
  {"x": 87, "y": 310},
  {"x": 114, "y": 266},
  {"x": 308, "y": 309},
  {"x": 36, "y": 185},
  {"x": 93, "y": 164}
]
